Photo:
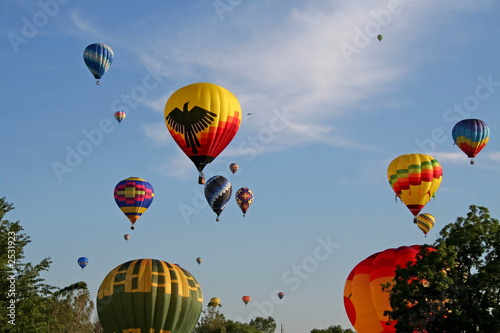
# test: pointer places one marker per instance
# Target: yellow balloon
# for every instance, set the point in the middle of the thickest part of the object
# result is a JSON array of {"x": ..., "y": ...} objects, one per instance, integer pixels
[{"x": 415, "y": 179}]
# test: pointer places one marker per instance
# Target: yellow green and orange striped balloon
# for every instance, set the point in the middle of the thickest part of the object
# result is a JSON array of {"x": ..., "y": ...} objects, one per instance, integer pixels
[
  {"x": 149, "y": 295},
  {"x": 425, "y": 222},
  {"x": 415, "y": 179}
]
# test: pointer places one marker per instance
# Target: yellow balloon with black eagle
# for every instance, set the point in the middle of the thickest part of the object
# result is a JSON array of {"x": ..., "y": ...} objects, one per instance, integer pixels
[
  {"x": 202, "y": 118},
  {"x": 149, "y": 295}
]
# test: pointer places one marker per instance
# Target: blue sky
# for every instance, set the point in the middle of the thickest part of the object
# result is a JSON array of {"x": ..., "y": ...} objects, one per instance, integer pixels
[{"x": 331, "y": 108}]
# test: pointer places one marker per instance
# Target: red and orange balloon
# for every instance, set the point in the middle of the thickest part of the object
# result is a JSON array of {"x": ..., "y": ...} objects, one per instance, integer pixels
[{"x": 364, "y": 300}]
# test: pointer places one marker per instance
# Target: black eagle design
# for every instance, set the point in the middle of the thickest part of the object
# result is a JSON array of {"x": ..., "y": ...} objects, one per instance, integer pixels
[{"x": 190, "y": 122}]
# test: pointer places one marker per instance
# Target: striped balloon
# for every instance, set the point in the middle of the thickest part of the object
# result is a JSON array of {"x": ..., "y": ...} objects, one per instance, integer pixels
[
  {"x": 415, "y": 179},
  {"x": 134, "y": 195},
  {"x": 218, "y": 190},
  {"x": 119, "y": 116},
  {"x": 425, "y": 222},
  {"x": 149, "y": 295},
  {"x": 471, "y": 135},
  {"x": 98, "y": 57},
  {"x": 244, "y": 198}
]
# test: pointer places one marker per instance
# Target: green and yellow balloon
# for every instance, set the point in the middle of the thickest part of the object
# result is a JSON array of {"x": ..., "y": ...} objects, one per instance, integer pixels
[{"x": 149, "y": 295}]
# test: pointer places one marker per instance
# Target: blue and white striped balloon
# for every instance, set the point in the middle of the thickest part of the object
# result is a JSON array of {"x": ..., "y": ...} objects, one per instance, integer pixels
[{"x": 98, "y": 57}]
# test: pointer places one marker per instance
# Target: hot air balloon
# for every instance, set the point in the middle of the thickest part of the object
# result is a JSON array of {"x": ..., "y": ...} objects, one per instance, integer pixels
[
  {"x": 218, "y": 191},
  {"x": 244, "y": 198},
  {"x": 119, "y": 116},
  {"x": 198, "y": 260},
  {"x": 380, "y": 37},
  {"x": 233, "y": 167},
  {"x": 126, "y": 236},
  {"x": 471, "y": 135},
  {"x": 415, "y": 178},
  {"x": 83, "y": 262},
  {"x": 149, "y": 295},
  {"x": 98, "y": 57},
  {"x": 214, "y": 302},
  {"x": 134, "y": 195},
  {"x": 425, "y": 222},
  {"x": 364, "y": 300},
  {"x": 281, "y": 295},
  {"x": 202, "y": 118},
  {"x": 246, "y": 299}
]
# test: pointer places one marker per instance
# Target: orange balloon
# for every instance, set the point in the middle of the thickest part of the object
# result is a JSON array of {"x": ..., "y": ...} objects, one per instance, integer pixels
[
  {"x": 364, "y": 300},
  {"x": 246, "y": 299}
]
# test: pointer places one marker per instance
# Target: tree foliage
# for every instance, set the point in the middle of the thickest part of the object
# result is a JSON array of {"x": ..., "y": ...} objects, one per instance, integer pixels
[
  {"x": 32, "y": 305},
  {"x": 212, "y": 321},
  {"x": 454, "y": 286},
  {"x": 333, "y": 329}
]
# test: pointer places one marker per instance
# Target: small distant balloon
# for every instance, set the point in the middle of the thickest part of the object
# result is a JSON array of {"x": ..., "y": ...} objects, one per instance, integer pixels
[
  {"x": 233, "y": 167},
  {"x": 244, "y": 198},
  {"x": 83, "y": 262},
  {"x": 198, "y": 260},
  {"x": 245, "y": 299},
  {"x": 425, "y": 222},
  {"x": 119, "y": 116},
  {"x": 126, "y": 236},
  {"x": 380, "y": 37},
  {"x": 214, "y": 301},
  {"x": 281, "y": 295}
]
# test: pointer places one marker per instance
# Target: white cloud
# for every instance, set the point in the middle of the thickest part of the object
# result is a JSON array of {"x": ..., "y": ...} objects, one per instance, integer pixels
[{"x": 157, "y": 132}]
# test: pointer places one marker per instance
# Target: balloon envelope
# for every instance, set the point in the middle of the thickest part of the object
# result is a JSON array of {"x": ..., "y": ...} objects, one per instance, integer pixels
[
  {"x": 214, "y": 301},
  {"x": 126, "y": 236},
  {"x": 202, "y": 118},
  {"x": 364, "y": 300},
  {"x": 380, "y": 37},
  {"x": 425, "y": 222},
  {"x": 245, "y": 299},
  {"x": 244, "y": 198},
  {"x": 471, "y": 135},
  {"x": 198, "y": 260},
  {"x": 415, "y": 178},
  {"x": 233, "y": 167},
  {"x": 119, "y": 116},
  {"x": 149, "y": 295},
  {"x": 281, "y": 295},
  {"x": 82, "y": 262},
  {"x": 133, "y": 196},
  {"x": 217, "y": 192},
  {"x": 98, "y": 57}
]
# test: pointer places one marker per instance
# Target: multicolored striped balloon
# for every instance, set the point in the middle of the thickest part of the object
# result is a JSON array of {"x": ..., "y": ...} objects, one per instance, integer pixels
[
  {"x": 471, "y": 135},
  {"x": 134, "y": 195},
  {"x": 218, "y": 190},
  {"x": 244, "y": 198},
  {"x": 98, "y": 57},
  {"x": 415, "y": 178},
  {"x": 425, "y": 222}
]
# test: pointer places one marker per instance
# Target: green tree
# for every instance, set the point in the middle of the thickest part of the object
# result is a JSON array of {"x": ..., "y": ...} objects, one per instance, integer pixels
[
  {"x": 333, "y": 329},
  {"x": 264, "y": 325},
  {"x": 74, "y": 309},
  {"x": 211, "y": 321},
  {"x": 33, "y": 305},
  {"x": 454, "y": 286}
]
